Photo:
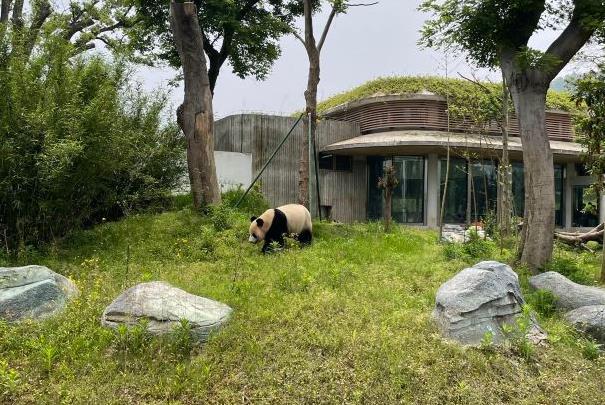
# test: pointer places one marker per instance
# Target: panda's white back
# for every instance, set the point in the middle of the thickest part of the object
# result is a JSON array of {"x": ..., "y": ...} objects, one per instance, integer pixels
[{"x": 299, "y": 218}]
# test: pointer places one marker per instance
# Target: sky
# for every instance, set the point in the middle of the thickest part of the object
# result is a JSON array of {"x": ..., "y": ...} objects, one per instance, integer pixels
[{"x": 365, "y": 43}]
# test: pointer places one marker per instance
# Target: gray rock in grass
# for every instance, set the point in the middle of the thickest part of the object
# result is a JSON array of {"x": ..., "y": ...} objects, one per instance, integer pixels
[
  {"x": 480, "y": 300},
  {"x": 33, "y": 292},
  {"x": 163, "y": 307},
  {"x": 590, "y": 320},
  {"x": 569, "y": 295}
]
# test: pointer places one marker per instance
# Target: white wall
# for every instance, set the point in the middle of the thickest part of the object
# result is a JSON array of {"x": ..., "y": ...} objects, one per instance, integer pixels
[{"x": 233, "y": 169}]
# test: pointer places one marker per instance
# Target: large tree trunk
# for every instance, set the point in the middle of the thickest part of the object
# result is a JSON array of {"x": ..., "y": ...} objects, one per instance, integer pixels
[
  {"x": 195, "y": 116},
  {"x": 529, "y": 95},
  {"x": 311, "y": 106}
]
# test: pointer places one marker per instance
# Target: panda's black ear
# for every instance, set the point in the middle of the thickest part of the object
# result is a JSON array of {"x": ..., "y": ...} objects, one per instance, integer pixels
[
  {"x": 252, "y": 219},
  {"x": 260, "y": 222}
]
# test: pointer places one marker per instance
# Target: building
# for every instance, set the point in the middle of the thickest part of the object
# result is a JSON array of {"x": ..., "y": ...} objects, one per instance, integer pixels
[{"x": 355, "y": 139}]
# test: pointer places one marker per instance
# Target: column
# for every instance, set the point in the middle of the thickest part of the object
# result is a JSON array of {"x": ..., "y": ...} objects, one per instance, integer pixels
[{"x": 432, "y": 191}]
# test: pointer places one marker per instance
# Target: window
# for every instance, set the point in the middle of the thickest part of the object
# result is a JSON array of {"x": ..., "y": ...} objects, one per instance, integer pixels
[
  {"x": 585, "y": 207},
  {"x": 408, "y": 196},
  {"x": 336, "y": 162},
  {"x": 581, "y": 170},
  {"x": 457, "y": 190},
  {"x": 485, "y": 189}
]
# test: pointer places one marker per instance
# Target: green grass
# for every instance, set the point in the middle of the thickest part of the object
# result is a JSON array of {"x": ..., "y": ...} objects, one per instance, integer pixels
[{"x": 346, "y": 320}]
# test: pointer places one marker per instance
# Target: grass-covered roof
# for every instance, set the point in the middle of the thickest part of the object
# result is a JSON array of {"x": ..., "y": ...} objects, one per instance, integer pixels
[{"x": 463, "y": 94}]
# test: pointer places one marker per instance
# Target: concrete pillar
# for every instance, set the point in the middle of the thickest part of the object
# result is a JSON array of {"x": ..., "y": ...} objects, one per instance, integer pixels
[
  {"x": 570, "y": 173},
  {"x": 432, "y": 191}
]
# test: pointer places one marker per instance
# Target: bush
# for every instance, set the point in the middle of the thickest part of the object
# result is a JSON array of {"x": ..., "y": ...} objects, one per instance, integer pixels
[
  {"x": 543, "y": 301},
  {"x": 254, "y": 203},
  {"x": 78, "y": 143},
  {"x": 475, "y": 249},
  {"x": 570, "y": 268}
]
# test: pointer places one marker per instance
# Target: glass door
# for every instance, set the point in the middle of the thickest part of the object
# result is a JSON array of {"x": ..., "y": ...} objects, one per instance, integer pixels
[{"x": 408, "y": 196}]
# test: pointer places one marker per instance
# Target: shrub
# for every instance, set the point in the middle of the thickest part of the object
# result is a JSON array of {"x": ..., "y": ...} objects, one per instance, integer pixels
[
  {"x": 570, "y": 268},
  {"x": 78, "y": 143},
  {"x": 254, "y": 203},
  {"x": 543, "y": 301}
]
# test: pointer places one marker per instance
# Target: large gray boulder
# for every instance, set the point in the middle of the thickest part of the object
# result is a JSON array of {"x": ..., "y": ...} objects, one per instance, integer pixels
[
  {"x": 589, "y": 319},
  {"x": 479, "y": 300},
  {"x": 569, "y": 294},
  {"x": 33, "y": 292},
  {"x": 163, "y": 307}
]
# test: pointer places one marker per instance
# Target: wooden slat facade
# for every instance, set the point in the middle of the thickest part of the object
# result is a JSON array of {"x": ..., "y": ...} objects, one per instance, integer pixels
[
  {"x": 259, "y": 135},
  {"x": 430, "y": 114}
]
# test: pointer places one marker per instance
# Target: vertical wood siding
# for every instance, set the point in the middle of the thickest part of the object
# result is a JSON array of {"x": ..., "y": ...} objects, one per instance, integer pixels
[{"x": 345, "y": 192}]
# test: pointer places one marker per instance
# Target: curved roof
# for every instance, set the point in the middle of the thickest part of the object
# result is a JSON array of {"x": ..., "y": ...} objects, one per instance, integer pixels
[
  {"x": 429, "y": 112},
  {"x": 419, "y": 141}
]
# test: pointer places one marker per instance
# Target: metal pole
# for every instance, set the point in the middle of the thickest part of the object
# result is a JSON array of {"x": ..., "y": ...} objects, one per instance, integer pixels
[
  {"x": 268, "y": 161},
  {"x": 317, "y": 177}
]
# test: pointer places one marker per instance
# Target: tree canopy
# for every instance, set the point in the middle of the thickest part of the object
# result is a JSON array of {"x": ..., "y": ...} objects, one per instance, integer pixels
[{"x": 245, "y": 33}]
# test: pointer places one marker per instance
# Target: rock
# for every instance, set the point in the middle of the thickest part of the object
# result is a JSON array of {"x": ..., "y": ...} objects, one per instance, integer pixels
[
  {"x": 34, "y": 292},
  {"x": 569, "y": 294},
  {"x": 479, "y": 300},
  {"x": 589, "y": 319},
  {"x": 164, "y": 306}
]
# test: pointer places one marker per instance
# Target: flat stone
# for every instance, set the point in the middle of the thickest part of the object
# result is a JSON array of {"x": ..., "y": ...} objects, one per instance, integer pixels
[
  {"x": 33, "y": 292},
  {"x": 480, "y": 300},
  {"x": 590, "y": 320},
  {"x": 163, "y": 307},
  {"x": 569, "y": 295}
]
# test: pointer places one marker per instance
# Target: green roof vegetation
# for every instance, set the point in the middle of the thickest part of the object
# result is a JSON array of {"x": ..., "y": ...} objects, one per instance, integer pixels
[{"x": 464, "y": 95}]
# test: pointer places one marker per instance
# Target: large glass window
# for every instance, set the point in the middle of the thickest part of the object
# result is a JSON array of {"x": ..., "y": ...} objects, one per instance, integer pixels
[
  {"x": 408, "y": 196},
  {"x": 519, "y": 191},
  {"x": 585, "y": 207},
  {"x": 485, "y": 188},
  {"x": 457, "y": 190},
  {"x": 375, "y": 199}
]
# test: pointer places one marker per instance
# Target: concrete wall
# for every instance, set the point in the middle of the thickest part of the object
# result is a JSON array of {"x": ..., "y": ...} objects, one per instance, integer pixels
[
  {"x": 233, "y": 169},
  {"x": 259, "y": 135}
]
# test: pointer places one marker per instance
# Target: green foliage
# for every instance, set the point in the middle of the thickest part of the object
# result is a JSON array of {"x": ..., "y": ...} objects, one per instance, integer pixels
[
  {"x": 591, "y": 350},
  {"x": 79, "y": 143},
  {"x": 474, "y": 249},
  {"x": 567, "y": 264},
  {"x": 9, "y": 381},
  {"x": 465, "y": 98},
  {"x": 543, "y": 301},
  {"x": 254, "y": 203},
  {"x": 346, "y": 320},
  {"x": 244, "y": 33},
  {"x": 589, "y": 91}
]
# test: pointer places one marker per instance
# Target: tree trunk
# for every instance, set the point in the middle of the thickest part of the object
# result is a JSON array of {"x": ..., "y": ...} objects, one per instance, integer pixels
[
  {"x": 195, "y": 116},
  {"x": 388, "y": 203},
  {"x": 505, "y": 172},
  {"x": 529, "y": 95},
  {"x": 311, "y": 105}
]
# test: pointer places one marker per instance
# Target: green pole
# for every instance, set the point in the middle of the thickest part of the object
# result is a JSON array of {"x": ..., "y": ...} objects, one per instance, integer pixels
[{"x": 268, "y": 161}]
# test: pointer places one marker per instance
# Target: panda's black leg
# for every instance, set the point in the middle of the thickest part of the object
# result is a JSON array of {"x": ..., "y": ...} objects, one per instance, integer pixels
[
  {"x": 266, "y": 246},
  {"x": 305, "y": 237}
]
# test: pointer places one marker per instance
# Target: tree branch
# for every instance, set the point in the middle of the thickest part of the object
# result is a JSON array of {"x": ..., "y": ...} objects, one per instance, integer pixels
[
  {"x": 574, "y": 36},
  {"x": 324, "y": 34}
]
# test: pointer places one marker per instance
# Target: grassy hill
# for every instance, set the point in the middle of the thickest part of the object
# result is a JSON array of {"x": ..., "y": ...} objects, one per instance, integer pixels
[
  {"x": 346, "y": 320},
  {"x": 462, "y": 93}
]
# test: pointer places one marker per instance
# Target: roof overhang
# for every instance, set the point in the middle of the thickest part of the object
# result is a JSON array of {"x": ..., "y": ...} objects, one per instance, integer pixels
[{"x": 421, "y": 142}]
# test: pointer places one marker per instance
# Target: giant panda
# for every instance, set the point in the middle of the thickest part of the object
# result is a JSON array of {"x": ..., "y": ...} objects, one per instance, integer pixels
[{"x": 275, "y": 222}]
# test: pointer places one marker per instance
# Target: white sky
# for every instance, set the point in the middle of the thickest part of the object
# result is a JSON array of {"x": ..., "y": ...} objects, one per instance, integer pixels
[{"x": 365, "y": 43}]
